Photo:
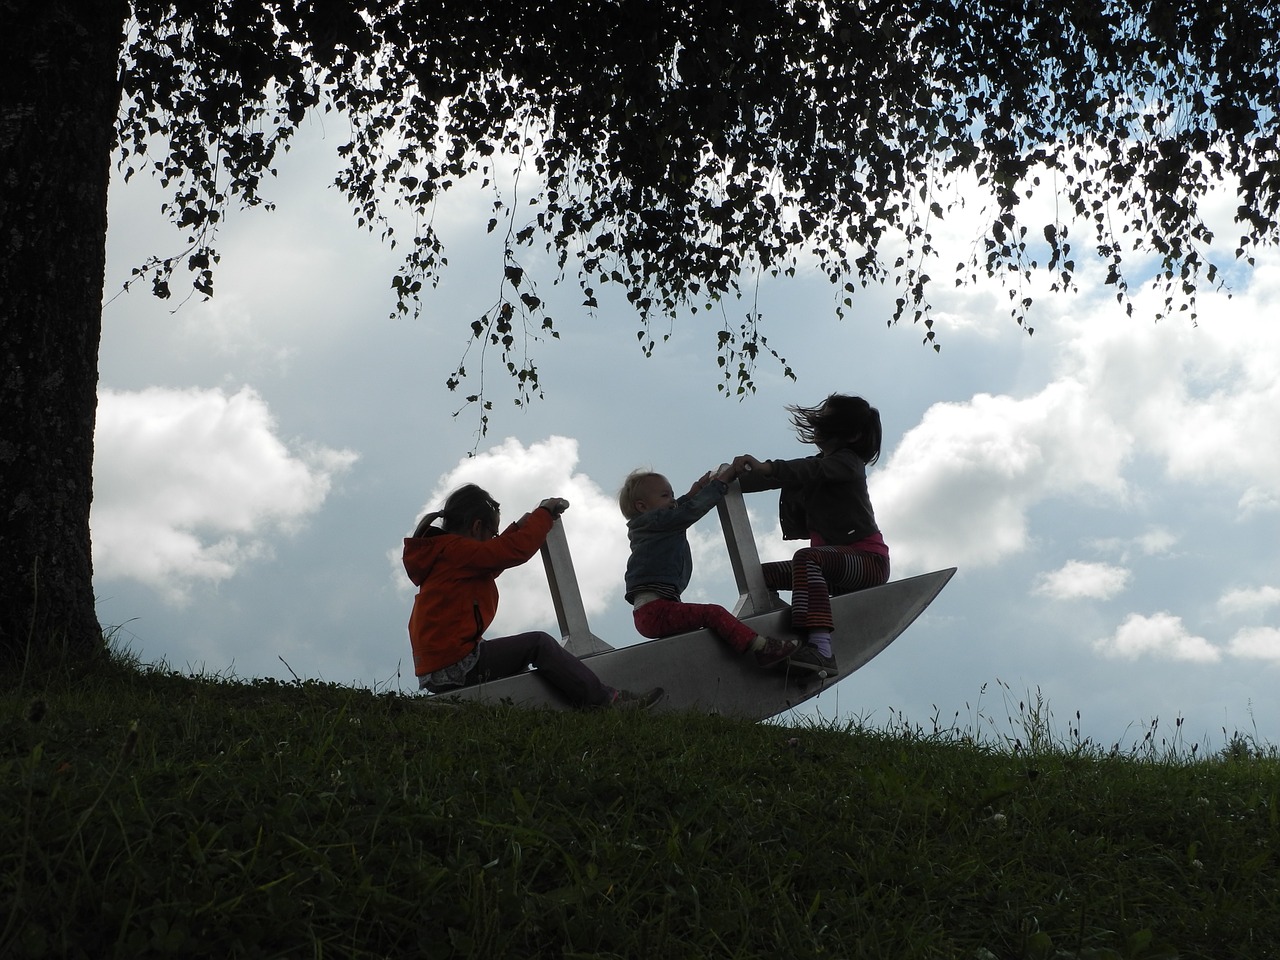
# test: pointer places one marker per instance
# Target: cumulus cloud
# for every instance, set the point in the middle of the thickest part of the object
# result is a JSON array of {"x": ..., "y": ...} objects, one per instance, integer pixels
[
  {"x": 1201, "y": 398},
  {"x": 1249, "y": 600},
  {"x": 191, "y": 485},
  {"x": 1077, "y": 579},
  {"x": 958, "y": 488},
  {"x": 1155, "y": 542},
  {"x": 1162, "y": 635},
  {"x": 710, "y": 562},
  {"x": 227, "y": 327},
  {"x": 1196, "y": 400},
  {"x": 1256, "y": 643}
]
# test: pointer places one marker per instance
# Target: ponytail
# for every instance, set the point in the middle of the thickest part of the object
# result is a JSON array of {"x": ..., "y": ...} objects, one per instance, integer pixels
[{"x": 421, "y": 529}]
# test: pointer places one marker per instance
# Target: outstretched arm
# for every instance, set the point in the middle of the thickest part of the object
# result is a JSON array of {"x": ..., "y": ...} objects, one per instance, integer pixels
[
  {"x": 749, "y": 464},
  {"x": 553, "y": 505},
  {"x": 755, "y": 474},
  {"x": 725, "y": 472},
  {"x": 698, "y": 484}
]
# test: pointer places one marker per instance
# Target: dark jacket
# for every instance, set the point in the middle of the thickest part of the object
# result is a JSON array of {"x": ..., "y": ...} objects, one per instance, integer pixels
[
  {"x": 660, "y": 552},
  {"x": 457, "y": 596},
  {"x": 824, "y": 494}
]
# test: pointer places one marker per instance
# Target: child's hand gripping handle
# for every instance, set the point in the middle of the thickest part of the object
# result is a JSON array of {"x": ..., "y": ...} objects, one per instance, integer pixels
[{"x": 555, "y": 506}]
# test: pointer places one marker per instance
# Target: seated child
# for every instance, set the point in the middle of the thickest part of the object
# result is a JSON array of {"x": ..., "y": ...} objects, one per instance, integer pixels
[
  {"x": 456, "y": 567},
  {"x": 824, "y": 499},
  {"x": 661, "y": 564}
]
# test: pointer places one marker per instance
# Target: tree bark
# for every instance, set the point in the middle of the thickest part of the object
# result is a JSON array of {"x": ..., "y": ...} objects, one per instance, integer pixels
[{"x": 58, "y": 100}]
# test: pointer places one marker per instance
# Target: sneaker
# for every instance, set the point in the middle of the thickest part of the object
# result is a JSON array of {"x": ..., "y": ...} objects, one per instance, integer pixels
[
  {"x": 775, "y": 651},
  {"x": 808, "y": 658},
  {"x": 626, "y": 700}
]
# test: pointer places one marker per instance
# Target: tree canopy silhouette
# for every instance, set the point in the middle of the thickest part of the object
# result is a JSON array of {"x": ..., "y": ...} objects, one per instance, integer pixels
[{"x": 667, "y": 149}]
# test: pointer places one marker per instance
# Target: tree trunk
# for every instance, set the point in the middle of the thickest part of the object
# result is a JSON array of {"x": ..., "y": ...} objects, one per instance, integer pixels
[{"x": 58, "y": 102}]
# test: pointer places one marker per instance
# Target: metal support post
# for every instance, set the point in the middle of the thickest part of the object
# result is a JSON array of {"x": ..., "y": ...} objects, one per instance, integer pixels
[{"x": 570, "y": 613}]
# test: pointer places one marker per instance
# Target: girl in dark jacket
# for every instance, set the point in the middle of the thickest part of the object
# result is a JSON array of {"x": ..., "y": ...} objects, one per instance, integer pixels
[{"x": 824, "y": 499}]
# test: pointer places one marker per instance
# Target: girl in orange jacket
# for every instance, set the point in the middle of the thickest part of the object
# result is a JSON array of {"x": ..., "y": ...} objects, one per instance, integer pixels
[{"x": 455, "y": 567}]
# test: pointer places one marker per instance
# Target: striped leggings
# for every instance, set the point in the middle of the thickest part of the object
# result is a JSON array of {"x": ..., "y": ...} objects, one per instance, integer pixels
[{"x": 814, "y": 573}]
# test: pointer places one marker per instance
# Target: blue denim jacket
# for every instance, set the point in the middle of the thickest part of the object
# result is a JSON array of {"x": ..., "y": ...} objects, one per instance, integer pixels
[{"x": 660, "y": 552}]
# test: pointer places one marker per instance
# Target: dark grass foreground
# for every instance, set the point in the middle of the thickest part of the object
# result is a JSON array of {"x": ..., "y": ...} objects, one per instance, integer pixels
[{"x": 146, "y": 814}]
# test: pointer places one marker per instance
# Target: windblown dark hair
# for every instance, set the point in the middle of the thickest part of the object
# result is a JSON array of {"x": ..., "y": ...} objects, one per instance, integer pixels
[
  {"x": 849, "y": 420},
  {"x": 462, "y": 508}
]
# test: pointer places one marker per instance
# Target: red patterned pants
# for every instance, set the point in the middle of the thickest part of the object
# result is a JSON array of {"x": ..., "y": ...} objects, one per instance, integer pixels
[{"x": 665, "y": 618}]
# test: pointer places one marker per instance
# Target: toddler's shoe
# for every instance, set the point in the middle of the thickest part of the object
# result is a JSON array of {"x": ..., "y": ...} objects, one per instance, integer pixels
[
  {"x": 626, "y": 700},
  {"x": 808, "y": 658},
  {"x": 776, "y": 650}
]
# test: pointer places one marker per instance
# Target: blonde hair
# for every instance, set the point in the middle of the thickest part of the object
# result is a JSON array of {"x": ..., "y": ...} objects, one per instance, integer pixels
[{"x": 630, "y": 490}]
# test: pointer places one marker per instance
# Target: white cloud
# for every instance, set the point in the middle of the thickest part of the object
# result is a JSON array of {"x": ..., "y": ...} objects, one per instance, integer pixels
[
  {"x": 226, "y": 327},
  {"x": 1162, "y": 636},
  {"x": 189, "y": 485},
  {"x": 1198, "y": 400},
  {"x": 958, "y": 488},
  {"x": 1079, "y": 580},
  {"x": 1155, "y": 542},
  {"x": 1257, "y": 499},
  {"x": 1256, "y": 643},
  {"x": 710, "y": 560},
  {"x": 1201, "y": 398},
  {"x": 1246, "y": 601}
]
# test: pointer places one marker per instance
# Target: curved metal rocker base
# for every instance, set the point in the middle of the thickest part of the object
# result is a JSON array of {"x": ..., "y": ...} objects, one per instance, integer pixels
[{"x": 699, "y": 671}]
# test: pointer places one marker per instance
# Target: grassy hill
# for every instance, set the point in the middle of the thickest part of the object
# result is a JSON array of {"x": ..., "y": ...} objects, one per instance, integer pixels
[{"x": 146, "y": 813}]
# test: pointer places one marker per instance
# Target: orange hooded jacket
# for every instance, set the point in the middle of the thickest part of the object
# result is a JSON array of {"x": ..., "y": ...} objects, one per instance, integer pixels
[{"x": 457, "y": 596}]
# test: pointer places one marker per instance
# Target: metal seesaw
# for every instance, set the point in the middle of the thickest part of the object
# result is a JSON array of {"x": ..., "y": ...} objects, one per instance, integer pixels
[{"x": 698, "y": 670}]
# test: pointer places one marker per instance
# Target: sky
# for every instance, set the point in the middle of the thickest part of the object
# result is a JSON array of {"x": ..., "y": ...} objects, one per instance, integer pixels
[{"x": 1108, "y": 488}]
